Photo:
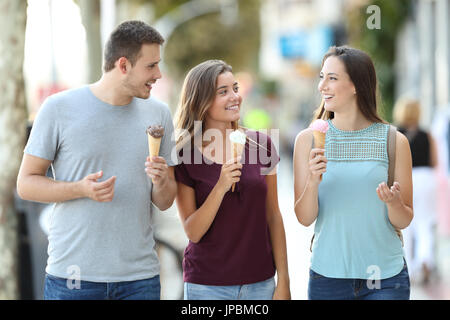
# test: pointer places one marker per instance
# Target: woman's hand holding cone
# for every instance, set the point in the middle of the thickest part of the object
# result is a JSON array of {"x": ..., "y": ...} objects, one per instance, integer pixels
[
  {"x": 317, "y": 164},
  {"x": 230, "y": 173}
]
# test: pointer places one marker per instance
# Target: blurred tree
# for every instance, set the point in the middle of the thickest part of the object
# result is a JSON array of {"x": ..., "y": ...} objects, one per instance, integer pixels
[
  {"x": 208, "y": 37},
  {"x": 90, "y": 16},
  {"x": 380, "y": 43},
  {"x": 13, "y": 117},
  {"x": 161, "y": 7}
]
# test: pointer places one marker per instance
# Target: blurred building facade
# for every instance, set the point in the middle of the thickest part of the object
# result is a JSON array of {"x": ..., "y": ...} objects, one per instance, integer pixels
[
  {"x": 423, "y": 57},
  {"x": 294, "y": 37},
  {"x": 423, "y": 72}
]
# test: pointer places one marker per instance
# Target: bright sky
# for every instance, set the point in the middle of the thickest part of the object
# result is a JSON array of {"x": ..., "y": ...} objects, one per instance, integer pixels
[
  {"x": 70, "y": 52},
  {"x": 69, "y": 46}
]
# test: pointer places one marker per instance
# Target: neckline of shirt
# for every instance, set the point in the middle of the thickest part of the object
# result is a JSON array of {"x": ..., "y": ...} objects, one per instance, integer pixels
[
  {"x": 351, "y": 131},
  {"x": 106, "y": 104}
]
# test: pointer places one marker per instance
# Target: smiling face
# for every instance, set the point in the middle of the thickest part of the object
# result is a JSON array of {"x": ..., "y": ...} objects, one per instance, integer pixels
[
  {"x": 338, "y": 91},
  {"x": 139, "y": 79},
  {"x": 226, "y": 105}
]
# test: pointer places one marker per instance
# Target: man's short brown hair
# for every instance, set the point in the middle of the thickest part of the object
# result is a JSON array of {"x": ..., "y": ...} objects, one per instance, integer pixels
[{"x": 126, "y": 41}]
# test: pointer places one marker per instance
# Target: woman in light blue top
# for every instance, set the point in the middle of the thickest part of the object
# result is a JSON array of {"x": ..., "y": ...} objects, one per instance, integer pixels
[{"x": 356, "y": 252}]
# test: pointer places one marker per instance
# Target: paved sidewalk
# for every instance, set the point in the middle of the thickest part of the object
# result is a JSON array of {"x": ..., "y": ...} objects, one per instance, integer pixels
[{"x": 439, "y": 286}]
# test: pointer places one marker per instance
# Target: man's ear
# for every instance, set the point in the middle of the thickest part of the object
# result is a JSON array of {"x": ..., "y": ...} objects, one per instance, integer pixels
[{"x": 122, "y": 65}]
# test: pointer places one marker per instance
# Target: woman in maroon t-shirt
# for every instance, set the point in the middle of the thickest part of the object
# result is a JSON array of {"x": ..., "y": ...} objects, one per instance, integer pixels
[{"x": 237, "y": 238}]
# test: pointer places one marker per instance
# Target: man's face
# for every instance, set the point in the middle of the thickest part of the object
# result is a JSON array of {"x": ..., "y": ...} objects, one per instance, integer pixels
[{"x": 145, "y": 72}]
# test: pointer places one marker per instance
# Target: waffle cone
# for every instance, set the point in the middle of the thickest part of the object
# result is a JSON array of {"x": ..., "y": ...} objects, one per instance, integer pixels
[
  {"x": 153, "y": 145},
  {"x": 319, "y": 139},
  {"x": 237, "y": 151}
]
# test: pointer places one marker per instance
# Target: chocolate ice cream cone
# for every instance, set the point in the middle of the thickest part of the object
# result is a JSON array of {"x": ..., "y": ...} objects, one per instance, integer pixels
[
  {"x": 154, "y": 135},
  {"x": 153, "y": 145}
]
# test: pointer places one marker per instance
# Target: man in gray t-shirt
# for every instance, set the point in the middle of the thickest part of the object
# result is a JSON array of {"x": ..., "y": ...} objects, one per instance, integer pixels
[{"x": 101, "y": 242}]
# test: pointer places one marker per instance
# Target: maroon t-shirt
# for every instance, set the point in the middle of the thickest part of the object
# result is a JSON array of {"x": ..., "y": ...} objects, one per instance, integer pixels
[{"x": 236, "y": 249}]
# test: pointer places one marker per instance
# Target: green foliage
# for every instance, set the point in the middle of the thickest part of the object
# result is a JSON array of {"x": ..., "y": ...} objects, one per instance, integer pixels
[
  {"x": 161, "y": 7},
  {"x": 206, "y": 37},
  {"x": 380, "y": 43}
]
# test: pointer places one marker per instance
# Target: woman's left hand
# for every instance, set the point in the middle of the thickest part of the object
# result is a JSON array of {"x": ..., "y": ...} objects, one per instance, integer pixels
[
  {"x": 389, "y": 195},
  {"x": 282, "y": 291}
]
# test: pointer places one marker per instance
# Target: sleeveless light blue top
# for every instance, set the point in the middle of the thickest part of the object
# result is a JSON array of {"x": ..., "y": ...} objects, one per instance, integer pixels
[{"x": 354, "y": 238}]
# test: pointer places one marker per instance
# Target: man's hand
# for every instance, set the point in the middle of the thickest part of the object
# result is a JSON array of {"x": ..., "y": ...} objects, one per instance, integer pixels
[
  {"x": 164, "y": 186},
  {"x": 157, "y": 169},
  {"x": 98, "y": 191}
]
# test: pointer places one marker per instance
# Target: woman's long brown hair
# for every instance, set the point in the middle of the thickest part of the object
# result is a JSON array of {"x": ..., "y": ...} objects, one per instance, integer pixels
[
  {"x": 197, "y": 96},
  {"x": 362, "y": 73}
]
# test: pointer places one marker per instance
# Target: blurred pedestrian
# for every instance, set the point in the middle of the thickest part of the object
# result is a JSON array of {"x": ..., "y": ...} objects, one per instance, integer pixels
[
  {"x": 440, "y": 130},
  {"x": 236, "y": 238},
  {"x": 101, "y": 243},
  {"x": 419, "y": 236},
  {"x": 356, "y": 252}
]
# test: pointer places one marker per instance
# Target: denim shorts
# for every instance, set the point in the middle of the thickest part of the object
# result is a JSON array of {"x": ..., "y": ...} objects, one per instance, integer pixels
[
  {"x": 256, "y": 291},
  {"x": 394, "y": 288},
  {"x": 56, "y": 288}
]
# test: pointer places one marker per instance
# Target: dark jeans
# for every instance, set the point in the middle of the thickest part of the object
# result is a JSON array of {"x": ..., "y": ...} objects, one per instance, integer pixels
[
  {"x": 59, "y": 289},
  {"x": 323, "y": 288}
]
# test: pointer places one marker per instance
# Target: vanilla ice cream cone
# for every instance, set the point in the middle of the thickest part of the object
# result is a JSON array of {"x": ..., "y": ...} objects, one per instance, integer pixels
[
  {"x": 237, "y": 148},
  {"x": 238, "y": 140}
]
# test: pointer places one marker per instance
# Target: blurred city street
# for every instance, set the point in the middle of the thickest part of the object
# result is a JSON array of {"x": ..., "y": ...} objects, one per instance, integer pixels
[{"x": 275, "y": 48}]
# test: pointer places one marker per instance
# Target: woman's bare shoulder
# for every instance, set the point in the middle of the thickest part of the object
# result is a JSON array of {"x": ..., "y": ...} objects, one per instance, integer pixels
[{"x": 304, "y": 136}]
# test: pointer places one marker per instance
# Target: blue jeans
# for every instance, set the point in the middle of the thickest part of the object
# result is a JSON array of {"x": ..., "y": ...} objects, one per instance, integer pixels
[
  {"x": 394, "y": 288},
  {"x": 56, "y": 288},
  {"x": 255, "y": 291}
]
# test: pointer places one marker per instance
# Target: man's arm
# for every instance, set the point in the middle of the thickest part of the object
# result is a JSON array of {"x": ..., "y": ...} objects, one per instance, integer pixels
[
  {"x": 164, "y": 185},
  {"x": 34, "y": 185}
]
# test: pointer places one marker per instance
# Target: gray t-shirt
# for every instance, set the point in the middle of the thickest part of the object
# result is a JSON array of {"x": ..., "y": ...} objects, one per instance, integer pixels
[{"x": 102, "y": 241}]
